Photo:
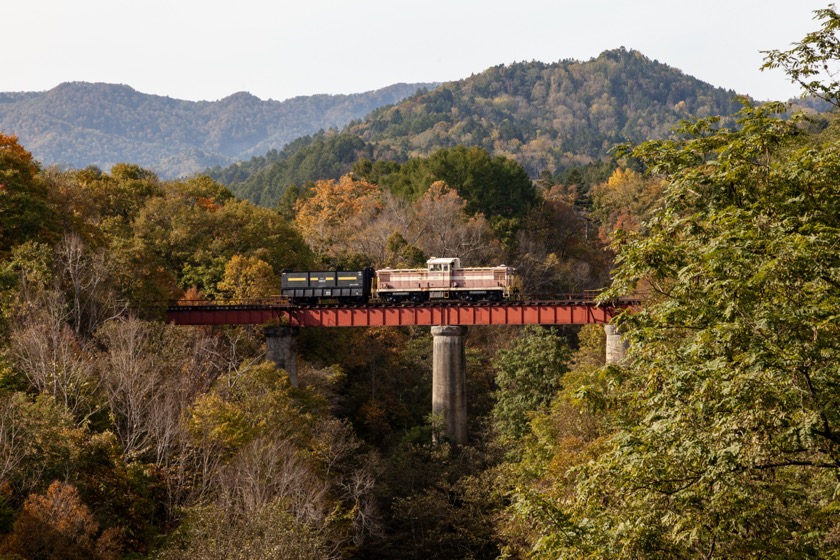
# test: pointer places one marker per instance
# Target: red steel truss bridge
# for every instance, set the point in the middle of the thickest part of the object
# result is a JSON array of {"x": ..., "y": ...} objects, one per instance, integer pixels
[{"x": 563, "y": 310}]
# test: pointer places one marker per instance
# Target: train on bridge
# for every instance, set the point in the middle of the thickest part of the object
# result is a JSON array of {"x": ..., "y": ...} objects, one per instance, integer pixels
[
  {"x": 443, "y": 293},
  {"x": 443, "y": 279}
]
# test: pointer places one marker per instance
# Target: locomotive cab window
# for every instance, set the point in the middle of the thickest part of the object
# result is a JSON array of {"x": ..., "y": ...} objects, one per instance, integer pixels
[{"x": 444, "y": 264}]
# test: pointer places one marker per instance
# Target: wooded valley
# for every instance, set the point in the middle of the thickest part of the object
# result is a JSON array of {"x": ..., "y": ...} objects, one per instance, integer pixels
[{"x": 122, "y": 436}]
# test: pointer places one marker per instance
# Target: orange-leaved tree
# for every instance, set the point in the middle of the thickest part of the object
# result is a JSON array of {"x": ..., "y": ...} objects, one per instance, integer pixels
[
  {"x": 334, "y": 218},
  {"x": 58, "y": 525},
  {"x": 625, "y": 200},
  {"x": 24, "y": 213}
]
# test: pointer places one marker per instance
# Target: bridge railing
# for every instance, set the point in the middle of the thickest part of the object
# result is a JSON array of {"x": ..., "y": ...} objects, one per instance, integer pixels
[{"x": 586, "y": 297}]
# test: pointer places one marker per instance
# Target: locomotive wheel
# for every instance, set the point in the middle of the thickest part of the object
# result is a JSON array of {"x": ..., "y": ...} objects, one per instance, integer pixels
[{"x": 419, "y": 297}]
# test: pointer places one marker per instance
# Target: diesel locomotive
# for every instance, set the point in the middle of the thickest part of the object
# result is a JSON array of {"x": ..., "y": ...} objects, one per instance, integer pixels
[{"x": 442, "y": 279}]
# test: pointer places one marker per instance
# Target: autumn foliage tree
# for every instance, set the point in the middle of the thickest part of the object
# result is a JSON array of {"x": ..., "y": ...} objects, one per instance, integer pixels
[
  {"x": 24, "y": 212},
  {"x": 442, "y": 227},
  {"x": 333, "y": 218},
  {"x": 558, "y": 250},
  {"x": 181, "y": 231},
  {"x": 272, "y": 456},
  {"x": 39, "y": 440},
  {"x": 349, "y": 217},
  {"x": 57, "y": 525},
  {"x": 624, "y": 201},
  {"x": 248, "y": 277}
]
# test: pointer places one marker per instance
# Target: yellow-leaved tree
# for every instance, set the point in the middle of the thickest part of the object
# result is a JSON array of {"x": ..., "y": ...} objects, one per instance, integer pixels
[
  {"x": 333, "y": 220},
  {"x": 248, "y": 277},
  {"x": 625, "y": 200}
]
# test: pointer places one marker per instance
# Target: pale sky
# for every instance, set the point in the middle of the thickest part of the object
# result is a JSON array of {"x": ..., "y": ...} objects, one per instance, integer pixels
[{"x": 209, "y": 49}]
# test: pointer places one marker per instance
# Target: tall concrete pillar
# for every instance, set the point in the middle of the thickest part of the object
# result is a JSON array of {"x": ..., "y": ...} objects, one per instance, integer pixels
[
  {"x": 449, "y": 381},
  {"x": 281, "y": 348},
  {"x": 616, "y": 345}
]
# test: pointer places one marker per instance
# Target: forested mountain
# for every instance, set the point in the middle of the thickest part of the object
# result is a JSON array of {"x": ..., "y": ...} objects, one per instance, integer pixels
[
  {"x": 547, "y": 117},
  {"x": 79, "y": 124}
]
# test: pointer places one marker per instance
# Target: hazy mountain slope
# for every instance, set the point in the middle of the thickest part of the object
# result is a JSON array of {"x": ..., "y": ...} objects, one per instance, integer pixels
[{"x": 80, "y": 124}]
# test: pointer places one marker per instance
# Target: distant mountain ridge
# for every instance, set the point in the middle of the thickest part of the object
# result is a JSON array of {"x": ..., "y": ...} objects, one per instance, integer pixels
[{"x": 78, "y": 124}]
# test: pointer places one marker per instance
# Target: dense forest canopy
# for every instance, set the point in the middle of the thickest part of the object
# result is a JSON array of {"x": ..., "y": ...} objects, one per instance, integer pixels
[{"x": 717, "y": 436}]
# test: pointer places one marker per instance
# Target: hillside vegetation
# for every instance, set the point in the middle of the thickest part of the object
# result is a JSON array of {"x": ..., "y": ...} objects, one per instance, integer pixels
[
  {"x": 79, "y": 124},
  {"x": 547, "y": 117}
]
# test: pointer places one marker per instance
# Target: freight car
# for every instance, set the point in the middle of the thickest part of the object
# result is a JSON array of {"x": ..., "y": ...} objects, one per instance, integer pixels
[
  {"x": 442, "y": 279},
  {"x": 309, "y": 288}
]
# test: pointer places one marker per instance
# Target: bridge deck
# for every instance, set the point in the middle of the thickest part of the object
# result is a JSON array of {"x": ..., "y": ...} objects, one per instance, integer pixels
[{"x": 508, "y": 313}]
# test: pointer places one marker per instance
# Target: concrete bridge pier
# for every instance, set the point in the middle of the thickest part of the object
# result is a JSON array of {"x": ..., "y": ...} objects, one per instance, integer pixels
[
  {"x": 449, "y": 381},
  {"x": 281, "y": 348},
  {"x": 616, "y": 345}
]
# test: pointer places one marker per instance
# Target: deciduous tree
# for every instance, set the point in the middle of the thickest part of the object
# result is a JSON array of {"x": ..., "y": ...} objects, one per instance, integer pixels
[
  {"x": 248, "y": 277},
  {"x": 39, "y": 440},
  {"x": 443, "y": 228},
  {"x": 85, "y": 275},
  {"x": 213, "y": 533},
  {"x": 529, "y": 376},
  {"x": 812, "y": 61},
  {"x": 333, "y": 219},
  {"x": 624, "y": 201},
  {"x": 181, "y": 231},
  {"x": 24, "y": 212},
  {"x": 53, "y": 358},
  {"x": 58, "y": 525},
  {"x": 725, "y": 420}
]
